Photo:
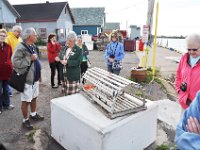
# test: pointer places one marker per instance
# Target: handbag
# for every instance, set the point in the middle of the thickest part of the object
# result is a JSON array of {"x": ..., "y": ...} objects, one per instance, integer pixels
[
  {"x": 89, "y": 63},
  {"x": 116, "y": 65},
  {"x": 17, "y": 80}
]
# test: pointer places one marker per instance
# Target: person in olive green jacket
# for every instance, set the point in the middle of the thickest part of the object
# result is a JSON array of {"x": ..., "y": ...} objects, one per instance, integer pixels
[{"x": 71, "y": 57}]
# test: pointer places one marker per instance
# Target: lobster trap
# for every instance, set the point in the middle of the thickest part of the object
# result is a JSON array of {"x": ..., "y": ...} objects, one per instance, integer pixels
[{"x": 116, "y": 95}]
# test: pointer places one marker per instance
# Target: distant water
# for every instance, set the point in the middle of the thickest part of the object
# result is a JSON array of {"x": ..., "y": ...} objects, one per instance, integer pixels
[{"x": 177, "y": 44}]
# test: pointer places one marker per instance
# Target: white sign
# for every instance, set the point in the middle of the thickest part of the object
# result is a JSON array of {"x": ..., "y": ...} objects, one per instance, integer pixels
[{"x": 145, "y": 33}]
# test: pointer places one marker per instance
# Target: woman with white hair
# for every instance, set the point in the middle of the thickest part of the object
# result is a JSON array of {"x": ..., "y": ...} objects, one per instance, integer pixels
[
  {"x": 187, "y": 77},
  {"x": 71, "y": 57}
]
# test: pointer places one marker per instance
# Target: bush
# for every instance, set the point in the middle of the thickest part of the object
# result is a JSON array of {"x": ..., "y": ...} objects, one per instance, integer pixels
[{"x": 40, "y": 42}]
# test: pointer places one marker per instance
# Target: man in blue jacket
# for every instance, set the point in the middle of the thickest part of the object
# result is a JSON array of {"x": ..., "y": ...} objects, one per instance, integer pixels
[{"x": 188, "y": 130}]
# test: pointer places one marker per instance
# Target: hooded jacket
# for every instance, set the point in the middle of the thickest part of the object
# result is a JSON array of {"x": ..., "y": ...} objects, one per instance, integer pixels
[
  {"x": 12, "y": 40},
  {"x": 189, "y": 75},
  {"x": 5, "y": 61}
]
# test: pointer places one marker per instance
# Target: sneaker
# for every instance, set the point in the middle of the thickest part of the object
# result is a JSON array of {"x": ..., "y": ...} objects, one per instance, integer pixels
[
  {"x": 10, "y": 107},
  {"x": 37, "y": 117},
  {"x": 54, "y": 86},
  {"x": 60, "y": 83},
  {"x": 0, "y": 112},
  {"x": 27, "y": 125}
]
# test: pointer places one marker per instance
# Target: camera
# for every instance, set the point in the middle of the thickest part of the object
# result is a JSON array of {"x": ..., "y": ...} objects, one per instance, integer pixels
[
  {"x": 112, "y": 56},
  {"x": 183, "y": 86}
]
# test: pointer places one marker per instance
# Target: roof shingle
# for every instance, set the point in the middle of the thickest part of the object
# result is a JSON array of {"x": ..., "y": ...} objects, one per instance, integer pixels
[
  {"x": 89, "y": 16},
  {"x": 112, "y": 26},
  {"x": 41, "y": 12}
]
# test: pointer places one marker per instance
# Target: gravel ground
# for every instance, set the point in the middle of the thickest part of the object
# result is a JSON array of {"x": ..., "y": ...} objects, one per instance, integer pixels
[{"x": 14, "y": 137}]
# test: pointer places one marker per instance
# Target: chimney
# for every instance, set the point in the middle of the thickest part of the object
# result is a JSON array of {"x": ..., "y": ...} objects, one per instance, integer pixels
[{"x": 47, "y": 2}]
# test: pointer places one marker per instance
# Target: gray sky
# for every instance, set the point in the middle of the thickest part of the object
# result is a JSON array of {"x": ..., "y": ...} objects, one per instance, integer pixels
[{"x": 176, "y": 17}]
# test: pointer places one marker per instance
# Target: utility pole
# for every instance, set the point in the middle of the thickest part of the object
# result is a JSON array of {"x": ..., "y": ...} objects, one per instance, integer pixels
[
  {"x": 149, "y": 25},
  {"x": 150, "y": 17}
]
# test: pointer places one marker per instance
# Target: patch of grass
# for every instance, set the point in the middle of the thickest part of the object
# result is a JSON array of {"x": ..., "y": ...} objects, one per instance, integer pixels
[
  {"x": 166, "y": 147},
  {"x": 31, "y": 134},
  {"x": 132, "y": 79},
  {"x": 162, "y": 147},
  {"x": 139, "y": 93}
]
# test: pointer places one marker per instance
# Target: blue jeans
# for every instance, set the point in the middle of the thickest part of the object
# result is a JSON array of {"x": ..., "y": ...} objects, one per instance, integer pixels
[
  {"x": 10, "y": 89},
  {"x": 4, "y": 94},
  {"x": 109, "y": 67}
]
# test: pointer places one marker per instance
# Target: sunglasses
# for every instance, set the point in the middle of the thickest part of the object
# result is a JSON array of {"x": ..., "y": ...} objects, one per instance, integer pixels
[
  {"x": 2, "y": 35},
  {"x": 192, "y": 49}
]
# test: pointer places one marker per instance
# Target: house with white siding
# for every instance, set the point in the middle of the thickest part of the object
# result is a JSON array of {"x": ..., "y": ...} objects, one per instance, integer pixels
[
  {"x": 46, "y": 17},
  {"x": 8, "y": 14}
]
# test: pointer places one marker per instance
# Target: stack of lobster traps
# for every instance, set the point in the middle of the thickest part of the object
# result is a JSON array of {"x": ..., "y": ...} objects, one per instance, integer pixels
[{"x": 116, "y": 95}]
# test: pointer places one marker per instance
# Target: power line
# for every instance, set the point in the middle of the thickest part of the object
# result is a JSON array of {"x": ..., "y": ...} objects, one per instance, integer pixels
[{"x": 128, "y": 7}]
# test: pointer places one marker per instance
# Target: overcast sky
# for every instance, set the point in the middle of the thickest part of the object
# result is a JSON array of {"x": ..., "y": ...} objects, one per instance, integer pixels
[{"x": 176, "y": 17}]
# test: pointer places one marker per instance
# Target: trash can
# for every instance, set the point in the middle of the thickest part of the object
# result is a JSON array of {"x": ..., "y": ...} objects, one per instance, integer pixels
[{"x": 129, "y": 45}]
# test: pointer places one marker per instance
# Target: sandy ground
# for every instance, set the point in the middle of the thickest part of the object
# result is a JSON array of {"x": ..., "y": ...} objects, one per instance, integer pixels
[{"x": 15, "y": 137}]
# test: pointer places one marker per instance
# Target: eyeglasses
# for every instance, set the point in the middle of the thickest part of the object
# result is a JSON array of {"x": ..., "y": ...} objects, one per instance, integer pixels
[
  {"x": 35, "y": 35},
  {"x": 192, "y": 49},
  {"x": 2, "y": 35},
  {"x": 18, "y": 31}
]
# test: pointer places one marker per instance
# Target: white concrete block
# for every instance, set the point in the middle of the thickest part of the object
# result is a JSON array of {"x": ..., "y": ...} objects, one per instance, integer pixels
[
  {"x": 169, "y": 112},
  {"x": 77, "y": 124}
]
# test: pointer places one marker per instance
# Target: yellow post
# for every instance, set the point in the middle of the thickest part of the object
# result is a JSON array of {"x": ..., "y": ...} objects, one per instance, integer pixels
[
  {"x": 154, "y": 41},
  {"x": 145, "y": 57}
]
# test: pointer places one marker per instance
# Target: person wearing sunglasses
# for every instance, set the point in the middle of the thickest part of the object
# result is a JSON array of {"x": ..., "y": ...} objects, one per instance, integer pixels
[
  {"x": 6, "y": 70},
  {"x": 187, "y": 76}
]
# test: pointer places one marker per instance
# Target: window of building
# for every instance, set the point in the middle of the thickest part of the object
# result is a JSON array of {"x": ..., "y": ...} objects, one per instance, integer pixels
[
  {"x": 43, "y": 33},
  {"x": 84, "y": 32}
]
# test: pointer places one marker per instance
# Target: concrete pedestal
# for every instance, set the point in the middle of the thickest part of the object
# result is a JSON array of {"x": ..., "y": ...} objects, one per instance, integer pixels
[{"x": 77, "y": 124}]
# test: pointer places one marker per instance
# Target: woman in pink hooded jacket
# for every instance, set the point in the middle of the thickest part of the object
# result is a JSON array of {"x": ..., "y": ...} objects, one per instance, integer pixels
[{"x": 188, "y": 72}]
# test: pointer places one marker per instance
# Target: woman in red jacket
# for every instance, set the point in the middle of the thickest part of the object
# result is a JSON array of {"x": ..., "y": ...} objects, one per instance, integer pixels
[
  {"x": 187, "y": 77},
  {"x": 54, "y": 48},
  {"x": 6, "y": 69}
]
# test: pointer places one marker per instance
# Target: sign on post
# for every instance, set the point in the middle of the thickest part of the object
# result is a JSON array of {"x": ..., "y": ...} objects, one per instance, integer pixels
[{"x": 145, "y": 33}]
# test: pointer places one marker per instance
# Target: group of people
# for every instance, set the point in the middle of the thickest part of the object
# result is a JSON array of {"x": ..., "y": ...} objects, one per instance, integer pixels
[{"x": 70, "y": 62}]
